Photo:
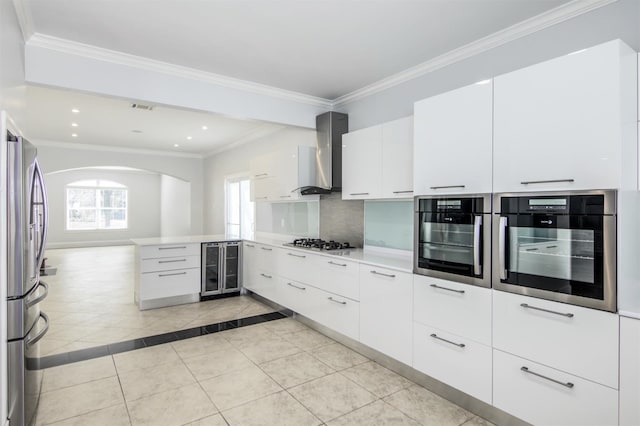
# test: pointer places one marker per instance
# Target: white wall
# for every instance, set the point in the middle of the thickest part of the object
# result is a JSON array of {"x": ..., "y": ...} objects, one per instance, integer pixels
[
  {"x": 143, "y": 208},
  {"x": 175, "y": 207},
  {"x": 57, "y": 157},
  {"x": 617, "y": 20},
  {"x": 236, "y": 160}
]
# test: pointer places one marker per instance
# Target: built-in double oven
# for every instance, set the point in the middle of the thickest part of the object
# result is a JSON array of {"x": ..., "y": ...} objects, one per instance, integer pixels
[
  {"x": 558, "y": 246},
  {"x": 452, "y": 237}
]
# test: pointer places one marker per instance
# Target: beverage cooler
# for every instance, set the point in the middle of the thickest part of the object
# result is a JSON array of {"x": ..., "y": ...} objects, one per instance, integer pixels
[{"x": 221, "y": 266}]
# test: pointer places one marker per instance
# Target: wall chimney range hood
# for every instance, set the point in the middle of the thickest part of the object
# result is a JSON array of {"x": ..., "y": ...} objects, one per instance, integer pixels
[{"x": 330, "y": 127}]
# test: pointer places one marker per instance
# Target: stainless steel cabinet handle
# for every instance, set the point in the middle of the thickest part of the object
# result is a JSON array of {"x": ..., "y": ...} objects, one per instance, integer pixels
[
  {"x": 359, "y": 193},
  {"x": 403, "y": 192},
  {"x": 460, "y": 345},
  {"x": 285, "y": 196},
  {"x": 337, "y": 264},
  {"x": 477, "y": 225},
  {"x": 336, "y": 301},
  {"x": 40, "y": 335},
  {"x": 502, "y": 247},
  {"x": 384, "y": 275},
  {"x": 261, "y": 198},
  {"x": 170, "y": 275},
  {"x": 446, "y": 187},
  {"x": 266, "y": 248},
  {"x": 526, "y": 305},
  {"x": 250, "y": 245},
  {"x": 533, "y": 182},
  {"x": 171, "y": 261},
  {"x": 267, "y": 276},
  {"x": 261, "y": 174},
  {"x": 296, "y": 255},
  {"x": 566, "y": 385},
  {"x": 172, "y": 248},
  {"x": 445, "y": 288},
  {"x": 40, "y": 298},
  {"x": 295, "y": 286}
]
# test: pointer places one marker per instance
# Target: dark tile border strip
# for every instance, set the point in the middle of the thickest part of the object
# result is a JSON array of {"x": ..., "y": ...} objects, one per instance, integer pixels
[{"x": 144, "y": 342}]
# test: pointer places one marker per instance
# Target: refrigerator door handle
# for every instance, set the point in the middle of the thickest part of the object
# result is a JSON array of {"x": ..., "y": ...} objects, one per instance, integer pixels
[
  {"x": 45, "y": 214},
  {"x": 36, "y": 300},
  {"x": 40, "y": 335},
  {"x": 223, "y": 268}
]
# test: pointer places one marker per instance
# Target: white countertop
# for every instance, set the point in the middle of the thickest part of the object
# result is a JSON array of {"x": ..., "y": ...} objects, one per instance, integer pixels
[{"x": 184, "y": 239}]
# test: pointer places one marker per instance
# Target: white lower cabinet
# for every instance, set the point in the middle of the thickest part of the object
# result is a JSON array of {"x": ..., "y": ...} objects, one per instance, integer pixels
[
  {"x": 629, "y": 372},
  {"x": 458, "y": 308},
  {"x": 335, "y": 275},
  {"x": 457, "y": 361},
  {"x": 336, "y": 312},
  {"x": 293, "y": 295},
  {"x": 570, "y": 338},
  {"x": 386, "y": 299},
  {"x": 542, "y": 395},
  {"x": 265, "y": 284},
  {"x": 158, "y": 285}
]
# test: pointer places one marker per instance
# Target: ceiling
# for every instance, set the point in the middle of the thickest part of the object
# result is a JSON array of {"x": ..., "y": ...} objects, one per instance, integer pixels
[
  {"x": 323, "y": 48},
  {"x": 113, "y": 122}
]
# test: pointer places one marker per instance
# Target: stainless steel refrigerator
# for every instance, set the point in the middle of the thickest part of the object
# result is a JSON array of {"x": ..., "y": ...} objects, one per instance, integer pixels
[{"x": 27, "y": 233}]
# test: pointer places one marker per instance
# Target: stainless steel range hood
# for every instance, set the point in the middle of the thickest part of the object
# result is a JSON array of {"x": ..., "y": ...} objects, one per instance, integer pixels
[{"x": 330, "y": 127}]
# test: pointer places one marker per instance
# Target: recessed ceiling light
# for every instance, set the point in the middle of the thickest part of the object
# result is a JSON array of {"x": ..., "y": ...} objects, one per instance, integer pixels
[
  {"x": 74, "y": 124},
  {"x": 189, "y": 138},
  {"x": 204, "y": 127},
  {"x": 176, "y": 145},
  {"x": 74, "y": 135},
  {"x": 75, "y": 110}
]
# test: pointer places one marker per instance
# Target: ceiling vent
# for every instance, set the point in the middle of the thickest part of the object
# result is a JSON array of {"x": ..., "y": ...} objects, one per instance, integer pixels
[{"x": 142, "y": 107}]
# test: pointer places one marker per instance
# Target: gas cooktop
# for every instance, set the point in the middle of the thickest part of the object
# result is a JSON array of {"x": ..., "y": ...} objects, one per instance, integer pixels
[{"x": 318, "y": 244}]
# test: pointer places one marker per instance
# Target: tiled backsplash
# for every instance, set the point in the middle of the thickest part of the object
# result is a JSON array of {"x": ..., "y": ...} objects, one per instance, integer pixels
[
  {"x": 389, "y": 224},
  {"x": 341, "y": 220}
]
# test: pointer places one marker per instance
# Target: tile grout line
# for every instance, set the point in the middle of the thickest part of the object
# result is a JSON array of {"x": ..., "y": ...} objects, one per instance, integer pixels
[{"x": 126, "y": 405}]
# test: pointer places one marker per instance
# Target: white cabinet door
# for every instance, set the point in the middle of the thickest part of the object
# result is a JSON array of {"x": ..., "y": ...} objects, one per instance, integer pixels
[
  {"x": 362, "y": 163},
  {"x": 454, "y": 360},
  {"x": 461, "y": 309},
  {"x": 562, "y": 124},
  {"x": 249, "y": 259},
  {"x": 263, "y": 189},
  {"x": 296, "y": 265},
  {"x": 577, "y": 340},
  {"x": 336, "y": 312},
  {"x": 543, "y": 396},
  {"x": 266, "y": 285},
  {"x": 397, "y": 158},
  {"x": 336, "y": 276},
  {"x": 452, "y": 141},
  {"x": 157, "y": 285},
  {"x": 294, "y": 295},
  {"x": 386, "y": 311},
  {"x": 629, "y": 372}
]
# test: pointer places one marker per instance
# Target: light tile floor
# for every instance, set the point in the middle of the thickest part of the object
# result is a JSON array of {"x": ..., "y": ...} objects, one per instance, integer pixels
[
  {"x": 276, "y": 373},
  {"x": 90, "y": 302}
]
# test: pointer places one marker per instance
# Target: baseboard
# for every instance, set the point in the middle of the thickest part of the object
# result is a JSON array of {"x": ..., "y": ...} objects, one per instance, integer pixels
[{"x": 82, "y": 244}]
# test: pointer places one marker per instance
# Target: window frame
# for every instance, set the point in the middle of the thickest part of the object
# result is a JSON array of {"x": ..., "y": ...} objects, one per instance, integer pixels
[
  {"x": 97, "y": 209},
  {"x": 237, "y": 177}
]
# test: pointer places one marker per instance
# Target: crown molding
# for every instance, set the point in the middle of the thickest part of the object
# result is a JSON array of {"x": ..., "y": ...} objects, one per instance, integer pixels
[
  {"x": 124, "y": 150},
  {"x": 25, "y": 19},
  {"x": 539, "y": 22},
  {"x": 260, "y": 132},
  {"x": 120, "y": 58}
]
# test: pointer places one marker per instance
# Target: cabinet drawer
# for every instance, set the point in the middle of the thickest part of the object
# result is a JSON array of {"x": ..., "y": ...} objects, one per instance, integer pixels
[
  {"x": 461, "y": 309},
  {"x": 169, "y": 250},
  {"x": 169, "y": 263},
  {"x": 156, "y": 285},
  {"x": 543, "y": 396},
  {"x": 454, "y": 360},
  {"x": 294, "y": 295},
  {"x": 336, "y": 312},
  {"x": 337, "y": 276},
  {"x": 265, "y": 258},
  {"x": 577, "y": 340},
  {"x": 386, "y": 305},
  {"x": 265, "y": 284},
  {"x": 296, "y": 265}
]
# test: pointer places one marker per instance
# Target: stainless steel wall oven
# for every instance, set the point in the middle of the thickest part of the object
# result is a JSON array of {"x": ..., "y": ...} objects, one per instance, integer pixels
[
  {"x": 558, "y": 246},
  {"x": 452, "y": 238}
]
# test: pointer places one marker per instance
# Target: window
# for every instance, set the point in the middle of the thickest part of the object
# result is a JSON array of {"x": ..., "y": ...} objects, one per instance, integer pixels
[
  {"x": 239, "y": 208},
  {"x": 96, "y": 204}
]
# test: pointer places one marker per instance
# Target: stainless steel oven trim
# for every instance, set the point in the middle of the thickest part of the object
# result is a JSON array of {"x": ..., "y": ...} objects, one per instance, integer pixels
[
  {"x": 609, "y": 276},
  {"x": 486, "y": 243}
]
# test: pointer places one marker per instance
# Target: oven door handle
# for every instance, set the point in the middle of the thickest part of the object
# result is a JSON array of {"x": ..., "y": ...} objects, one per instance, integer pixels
[
  {"x": 502, "y": 247},
  {"x": 477, "y": 225}
]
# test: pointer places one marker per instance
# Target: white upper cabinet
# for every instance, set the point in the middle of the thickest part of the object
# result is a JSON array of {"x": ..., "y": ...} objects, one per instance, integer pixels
[
  {"x": 277, "y": 175},
  {"x": 376, "y": 161},
  {"x": 452, "y": 141},
  {"x": 397, "y": 158},
  {"x": 362, "y": 163},
  {"x": 567, "y": 123}
]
